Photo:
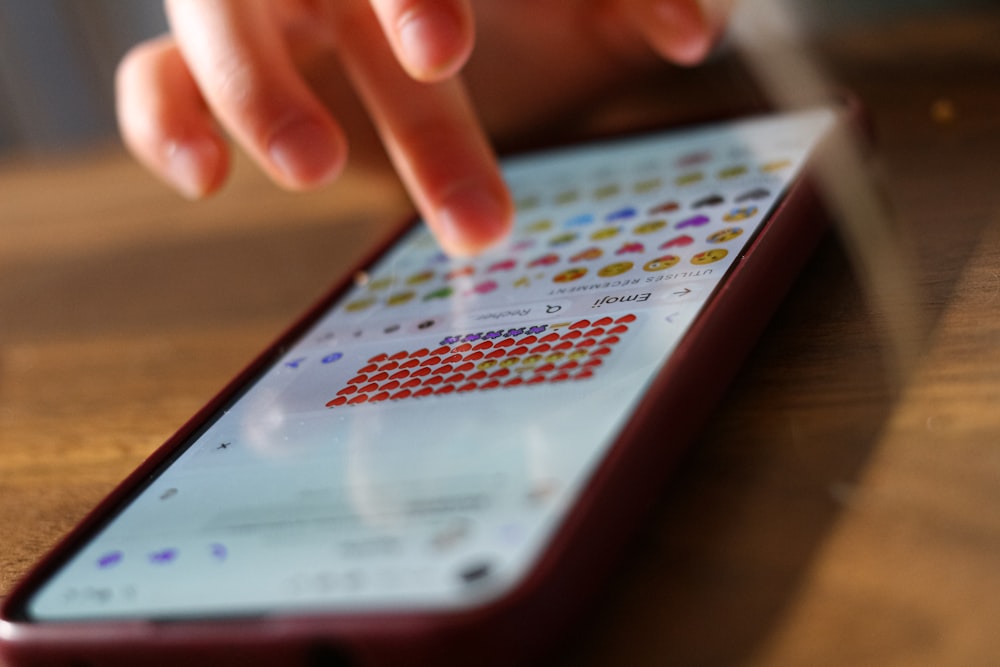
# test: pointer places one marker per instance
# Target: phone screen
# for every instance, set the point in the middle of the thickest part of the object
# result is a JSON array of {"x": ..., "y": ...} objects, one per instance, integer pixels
[{"x": 419, "y": 445}]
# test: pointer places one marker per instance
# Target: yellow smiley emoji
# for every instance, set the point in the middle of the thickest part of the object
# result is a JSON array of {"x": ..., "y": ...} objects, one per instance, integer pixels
[
  {"x": 570, "y": 275},
  {"x": 538, "y": 227},
  {"x": 661, "y": 263},
  {"x": 357, "y": 306},
  {"x": 724, "y": 235},
  {"x": 605, "y": 191},
  {"x": 381, "y": 283},
  {"x": 738, "y": 214},
  {"x": 400, "y": 298},
  {"x": 733, "y": 172},
  {"x": 650, "y": 227},
  {"x": 419, "y": 278},
  {"x": 709, "y": 256},
  {"x": 615, "y": 269},
  {"x": 606, "y": 233},
  {"x": 777, "y": 165}
]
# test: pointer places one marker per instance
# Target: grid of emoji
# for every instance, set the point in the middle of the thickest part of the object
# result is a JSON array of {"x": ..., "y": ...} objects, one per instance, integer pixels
[
  {"x": 612, "y": 230},
  {"x": 486, "y": 360}
]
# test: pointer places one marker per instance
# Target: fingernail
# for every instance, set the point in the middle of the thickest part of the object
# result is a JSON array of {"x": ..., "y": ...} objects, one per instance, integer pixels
[
  {"x": 427, "y": 37},
  {"x": 191, "y": 165},
  {"x": 471, "y": 219},
  {"x": 306, "y": 152},
  {"x": 685, "y": 25}
]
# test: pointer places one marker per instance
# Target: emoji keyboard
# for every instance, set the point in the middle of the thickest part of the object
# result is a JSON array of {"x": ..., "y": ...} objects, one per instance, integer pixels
[
  {"x": 482, "y": 361},
  {"x": 649, "y": 232}
]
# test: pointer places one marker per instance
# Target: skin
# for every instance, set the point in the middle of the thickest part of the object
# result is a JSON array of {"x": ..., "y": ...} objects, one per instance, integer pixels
[{"x": 290, "y": 80}]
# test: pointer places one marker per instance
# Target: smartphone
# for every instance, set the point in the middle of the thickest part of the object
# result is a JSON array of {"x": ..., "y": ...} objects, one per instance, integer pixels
[{"x": 439, "y": 463}]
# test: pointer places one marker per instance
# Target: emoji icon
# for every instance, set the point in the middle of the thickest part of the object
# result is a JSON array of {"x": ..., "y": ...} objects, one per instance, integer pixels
[
  {"x": 359, "y": 305},
  {"x": 505, "y": 265},
  {"x": 567, "y": 197},
  {"x": 562, "y": 239},
  {"x": 630, "y": 248},
  {"x": 732, "y": 172},
  {"x": 419, "y": 278},
  {"x": 539, "y": 227},
  {"x": 738, "y": 214},
  {"x": 692, "y": 159},
  {"x": 756, "y": 193},
  {"x": 439, "y": 293},
  {"x": 605, "y": 191},
  {"x": 381, "y": 283},
  {"x": 776, "y": 165},
  {"x": 709, "y": 256},
  {"x": 460, "y": 272},
  {"x": 527, "y": 203},
  {"x": 621, "y": 214},
  {"x": 606, "y": 233},
  {"x": 570, "y": 275},
  {"x": 724, "y": 235},
  {"x": 647, "y": 185},
  {"x": 400, "y": 298},
  {"x": 650, "y": 227},
  {"x": 580, "y": 220},
  {"x": 688, "y": 179},
  {"x": 163, "y": 556},
  {"x": 110, "y": 559},
  {"x": 587, "y": 255},
  {"x": 661, "y": 263},
  {"x": 544, "y": 260},
  {"x": 484, "y": 287},
  {"x": 696, "y": 221},
  {"x": 665, "y": 207},
  {"x": 615, "y": 269},
  {"x": 711, "y": 200},
  {"x": 677, "y": 242}
]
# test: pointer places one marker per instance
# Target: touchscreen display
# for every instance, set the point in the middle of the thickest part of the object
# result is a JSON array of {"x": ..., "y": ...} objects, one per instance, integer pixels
[{"x": 418, "y": 447}]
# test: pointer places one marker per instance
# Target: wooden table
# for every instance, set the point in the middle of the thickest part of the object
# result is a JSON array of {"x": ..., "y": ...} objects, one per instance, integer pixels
[{"x": 828, "y": 515}]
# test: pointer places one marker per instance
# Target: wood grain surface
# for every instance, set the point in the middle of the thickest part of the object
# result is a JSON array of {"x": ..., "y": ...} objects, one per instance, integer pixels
[{"x": 831, "y": 513}]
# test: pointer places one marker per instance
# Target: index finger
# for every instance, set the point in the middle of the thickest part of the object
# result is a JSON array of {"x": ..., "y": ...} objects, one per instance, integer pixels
[
  {"x": 431, "y": 39},
  {"x": 432, "y": 135}
]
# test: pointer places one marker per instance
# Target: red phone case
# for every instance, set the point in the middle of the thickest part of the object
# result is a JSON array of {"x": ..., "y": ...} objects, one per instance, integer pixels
[{"x": 529, "y": 620}]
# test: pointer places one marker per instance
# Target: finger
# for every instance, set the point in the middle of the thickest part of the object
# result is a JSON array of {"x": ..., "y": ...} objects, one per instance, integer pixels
[
  {"x": 164, "y": 121},
  {"x": 432, "y": 136},
  {"x": 432, "y": 39},
  {"x": 237, "y": 53},
  {"x": 682, "y": 31}
]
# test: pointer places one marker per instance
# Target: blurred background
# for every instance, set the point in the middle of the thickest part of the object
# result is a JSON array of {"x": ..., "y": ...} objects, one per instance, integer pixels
[{"x": 57, "y": 59}]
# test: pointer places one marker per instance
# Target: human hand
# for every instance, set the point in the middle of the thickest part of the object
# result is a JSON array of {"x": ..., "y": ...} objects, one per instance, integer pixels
[{"x": 250, "y": 66}]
